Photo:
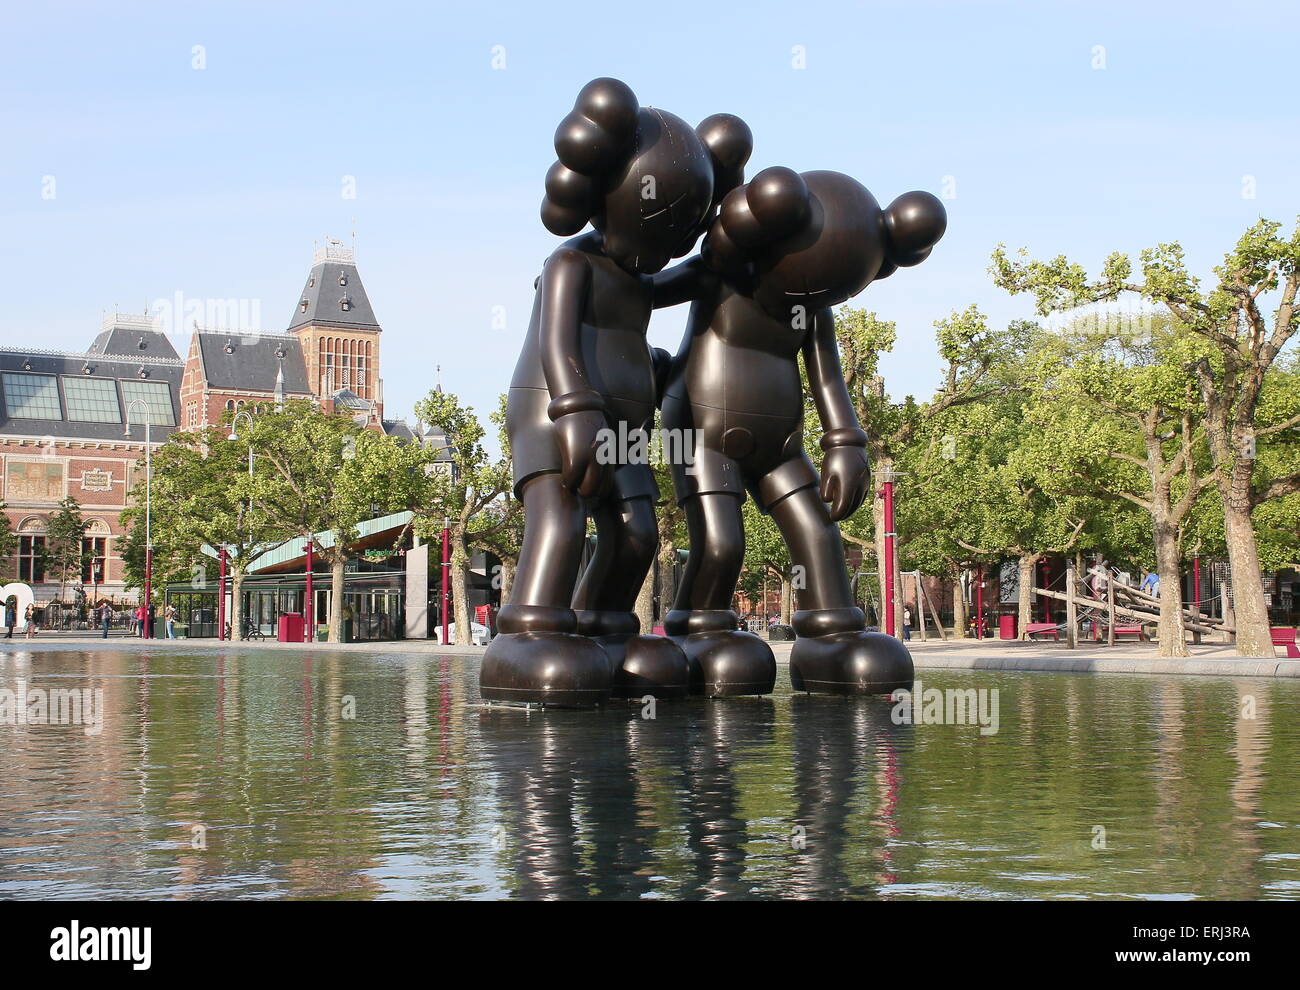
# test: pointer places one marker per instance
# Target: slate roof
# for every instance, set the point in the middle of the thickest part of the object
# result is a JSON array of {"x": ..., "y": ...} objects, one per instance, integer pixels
[
  {"x": 247, "y": 361},
  {"x": 324, "y": 295},
  {"x": 72, "y": 364},
  {"x": 134, "y": 343},
  {"x": 432, "y": 437}
]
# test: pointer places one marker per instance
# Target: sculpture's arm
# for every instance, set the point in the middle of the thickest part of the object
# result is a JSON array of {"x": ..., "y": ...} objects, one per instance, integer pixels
[
  {"x": 846, "y": 470},
  {"x": 576, "y": 408},
  {"x": 681, "y": 283}
]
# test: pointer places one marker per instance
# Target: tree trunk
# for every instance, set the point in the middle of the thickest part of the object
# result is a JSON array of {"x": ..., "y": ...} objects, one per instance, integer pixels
[
  {"x": 1254, "y": 638},
  {"x": 507, "y": 576},
  {"x": 667, "y": 556},
  {"x": 960, "y": 620},
  {"x": 337, "y": 563},
  {"x": 1026, "y": 566},
  {"x": 645, "y": 602},
  {"x": 1172, "y": 636},
  {"x": 786, "y": 600},
  {"x": 236, "y": 605},
  {"x": 459, "y": 598}
]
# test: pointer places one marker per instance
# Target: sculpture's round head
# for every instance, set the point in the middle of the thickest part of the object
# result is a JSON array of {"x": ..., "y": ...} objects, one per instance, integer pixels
[
  {"x": 642, "y": 177},
  {"x": 816, "y": 239}
]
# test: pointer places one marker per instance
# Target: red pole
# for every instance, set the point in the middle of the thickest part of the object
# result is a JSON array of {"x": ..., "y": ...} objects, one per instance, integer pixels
[
  {"x": 308, "y": 632},
  {"x": 221, "y": 597},
  {"x": 148, "y": 593},
  {"x": 888, "y": 492},
  {"x": 979, "y": 605},
  {"x": 446, "y": 566}
]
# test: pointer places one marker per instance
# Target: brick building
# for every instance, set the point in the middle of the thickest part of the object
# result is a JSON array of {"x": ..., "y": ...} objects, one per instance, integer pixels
[{"x": 63, "y": 415}]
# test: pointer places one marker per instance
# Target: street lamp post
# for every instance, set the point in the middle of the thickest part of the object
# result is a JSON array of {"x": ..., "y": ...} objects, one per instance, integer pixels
[
  {"x": 234, "y": 435},
  {"x": 148, "y": 505}
]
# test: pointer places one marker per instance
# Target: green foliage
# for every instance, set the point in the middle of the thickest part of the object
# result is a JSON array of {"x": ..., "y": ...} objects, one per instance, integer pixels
[{"x": 65, "y": 529}]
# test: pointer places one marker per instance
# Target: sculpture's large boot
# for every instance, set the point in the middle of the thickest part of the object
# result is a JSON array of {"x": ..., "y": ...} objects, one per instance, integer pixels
[
  {"x": 538, "y": 659},
  {"x": 723, "y": 659},
  {"x": 834, "y": 654},
  {"x": 640, "y": 665}
]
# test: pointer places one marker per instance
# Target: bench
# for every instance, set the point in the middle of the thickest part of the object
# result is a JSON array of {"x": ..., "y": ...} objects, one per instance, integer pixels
[
  {"x": 1134, "y": 629},
  {"x": 1284, "y": 636},
  {"x": 1046, "y": 628}
]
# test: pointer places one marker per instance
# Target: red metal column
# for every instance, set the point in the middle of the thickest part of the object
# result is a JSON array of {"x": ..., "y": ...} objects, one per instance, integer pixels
[
  {"x": 148, "y": 593},
  {"x": 888, "y": 491},
  {"x": 446, "y": 566},
  {"x": 309, "y": 629},
  {"x": 221, "y": 597}
]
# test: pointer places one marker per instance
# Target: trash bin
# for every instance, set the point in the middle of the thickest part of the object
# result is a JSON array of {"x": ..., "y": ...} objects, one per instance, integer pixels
[
  {"x": 1007, "y": 627},
  {"x": 291, "y": 627},
  {"x": 181, "y": 629}
]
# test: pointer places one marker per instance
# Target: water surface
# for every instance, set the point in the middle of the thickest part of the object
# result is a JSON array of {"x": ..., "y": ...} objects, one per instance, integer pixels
[{"x": 241, "y": 775}]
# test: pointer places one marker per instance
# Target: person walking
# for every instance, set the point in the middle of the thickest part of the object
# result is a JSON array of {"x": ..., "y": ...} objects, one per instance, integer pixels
[
  {"x": 907, "y": 622},
  {"x": 30, "y": 616},
  {"x": 105, "y": 617},
  {"x": 170, "y": 618},
  {"x": 11, "y": 618},
  {"x": 140, "y": 614}
]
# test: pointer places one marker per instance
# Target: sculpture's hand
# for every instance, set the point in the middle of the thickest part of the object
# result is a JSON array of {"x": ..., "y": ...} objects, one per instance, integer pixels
[
  {"x": 846, "y": 479},
  {"x": 578, "y": 437}
]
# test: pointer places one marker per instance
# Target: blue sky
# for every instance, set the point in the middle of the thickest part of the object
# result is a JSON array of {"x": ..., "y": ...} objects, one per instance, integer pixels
[{"x": 214, "y": 182}]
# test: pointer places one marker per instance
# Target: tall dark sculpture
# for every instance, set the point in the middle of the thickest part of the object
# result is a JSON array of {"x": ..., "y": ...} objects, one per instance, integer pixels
[
  {"x": 649, "y": 184},
  {"x": 784, "y": 249}
]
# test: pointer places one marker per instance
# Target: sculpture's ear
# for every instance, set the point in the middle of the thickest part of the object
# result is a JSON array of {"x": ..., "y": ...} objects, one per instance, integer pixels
[
  {"x": 773, "y": 205},
  {"x": 730, "y": 142},
  {"x": 913, "y": 224},
  {"x": 592, "y": 141}
]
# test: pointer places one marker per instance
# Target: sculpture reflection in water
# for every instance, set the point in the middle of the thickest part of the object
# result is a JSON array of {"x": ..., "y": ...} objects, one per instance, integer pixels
[{"x": 696, "y": 808}]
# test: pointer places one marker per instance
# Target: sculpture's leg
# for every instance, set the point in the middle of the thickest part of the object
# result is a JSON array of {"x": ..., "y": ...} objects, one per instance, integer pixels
[
  {"x": 724, "y": 660},
  {"x": 538, "y": 657},
  {"x": 627, "y": 537},
  {"x": 832, "y": 653}
]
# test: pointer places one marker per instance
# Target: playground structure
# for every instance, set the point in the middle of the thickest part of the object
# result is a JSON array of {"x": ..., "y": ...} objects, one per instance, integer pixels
[{"x": 1122, "y": 610}]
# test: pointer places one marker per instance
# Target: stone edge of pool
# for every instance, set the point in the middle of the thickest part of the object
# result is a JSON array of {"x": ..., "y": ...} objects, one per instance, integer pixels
[{"x": 1207, "y": 660}]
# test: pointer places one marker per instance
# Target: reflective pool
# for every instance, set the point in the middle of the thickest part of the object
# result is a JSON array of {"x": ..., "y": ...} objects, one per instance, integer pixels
[{"x": 265, "y": 773}]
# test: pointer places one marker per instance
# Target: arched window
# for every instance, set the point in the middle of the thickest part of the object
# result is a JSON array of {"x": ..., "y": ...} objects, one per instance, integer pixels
[{"x": 31, "y": 550}]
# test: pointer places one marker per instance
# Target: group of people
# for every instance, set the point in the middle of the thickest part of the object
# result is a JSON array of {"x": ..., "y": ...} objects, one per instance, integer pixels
[
  {"x": 141, "y": 619},
  {"x": 11, "y": 619}
]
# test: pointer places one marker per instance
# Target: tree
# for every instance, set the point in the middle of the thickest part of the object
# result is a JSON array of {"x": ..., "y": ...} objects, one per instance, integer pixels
[
  {"x": 65, "y": 529},
  {"x": 1245, "y": 344},
  {"x": 325, "y": 474},
  {"x": 972, "y": 355},
  {"x": 8, "y": 540},
  {"x": 1118, "y": 418},
  {"x": 463, "y": 496},
  {"x": 200, "y": 498}
]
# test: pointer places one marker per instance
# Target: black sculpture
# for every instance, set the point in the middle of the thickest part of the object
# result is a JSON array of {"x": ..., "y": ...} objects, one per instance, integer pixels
[
  {"x": 783, "y": 250},
  {"x": 649, "y": 184}
]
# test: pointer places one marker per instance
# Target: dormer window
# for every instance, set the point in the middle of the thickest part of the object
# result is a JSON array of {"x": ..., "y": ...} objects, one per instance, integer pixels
[
  {"x": 343, "y": 278},
  {"x": 345, "y": 303},
  {"x": 311, "y": 282},
  {"x": 144, "y": 372},
  {"x": 302, "y": 306},
  {"x": 86, "y": 369},
  {"x": 141, "y": 343},
  {"x": 230, "y": 346}
]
